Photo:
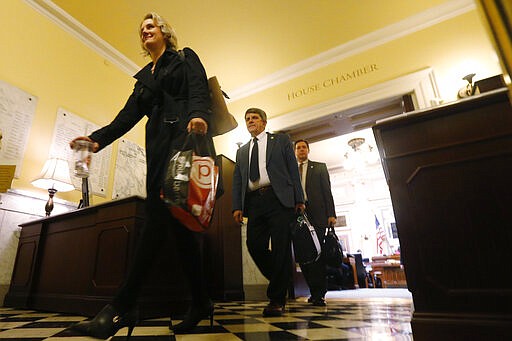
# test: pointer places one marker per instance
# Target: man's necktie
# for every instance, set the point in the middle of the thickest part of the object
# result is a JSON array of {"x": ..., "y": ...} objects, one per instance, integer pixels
[
  {"x": 302, "y": 180},
  {"x": 254, "y": 167}
]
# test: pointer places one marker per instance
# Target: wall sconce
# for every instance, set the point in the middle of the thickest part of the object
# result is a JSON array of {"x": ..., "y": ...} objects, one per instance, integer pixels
[
  {"x": 54, "y": 177},
  {"x": 469, "y": 89}
]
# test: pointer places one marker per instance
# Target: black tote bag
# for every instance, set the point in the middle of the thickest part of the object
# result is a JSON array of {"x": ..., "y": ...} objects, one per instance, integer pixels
[{"x": 333, "y": 252}]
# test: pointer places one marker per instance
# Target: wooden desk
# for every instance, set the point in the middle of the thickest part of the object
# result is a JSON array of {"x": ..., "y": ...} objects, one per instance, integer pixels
[
  {"x": 449, "y": 175},
  {"x": 388, "y": 269},
  {"x": 391, "y": 275},
  {"x": 75, "y": 262}
]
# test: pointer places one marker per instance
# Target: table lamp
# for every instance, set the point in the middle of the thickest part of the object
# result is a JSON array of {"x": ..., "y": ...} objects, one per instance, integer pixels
[{"x": 55, "y": 177}]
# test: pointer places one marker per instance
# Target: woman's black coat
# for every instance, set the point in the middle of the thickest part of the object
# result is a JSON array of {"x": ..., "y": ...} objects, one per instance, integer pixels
[{"x": 175, "y": 93}]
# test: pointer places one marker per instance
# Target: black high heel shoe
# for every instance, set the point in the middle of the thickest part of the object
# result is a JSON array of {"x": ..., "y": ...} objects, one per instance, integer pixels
[
  {"x": 108, "y": 322},
  {"x": 193, "y": 316}
]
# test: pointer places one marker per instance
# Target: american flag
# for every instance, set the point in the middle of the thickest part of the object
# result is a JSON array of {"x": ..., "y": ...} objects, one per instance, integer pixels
[{"x": 381, "y": 237}]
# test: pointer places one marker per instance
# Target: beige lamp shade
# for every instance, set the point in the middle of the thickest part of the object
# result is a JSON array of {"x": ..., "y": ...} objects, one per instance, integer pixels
[{"x": 54, "y": 175}]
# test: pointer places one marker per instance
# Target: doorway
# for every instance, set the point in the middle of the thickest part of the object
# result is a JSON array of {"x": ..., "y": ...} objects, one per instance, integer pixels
[{"x": 366, "y": 223}]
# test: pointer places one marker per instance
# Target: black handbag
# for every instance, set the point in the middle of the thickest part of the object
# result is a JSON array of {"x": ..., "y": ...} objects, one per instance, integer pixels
[
  {"x": 306, "y": 244},
  {"x": 221, "y": 120},
  {"x": 332, "y": 249}
]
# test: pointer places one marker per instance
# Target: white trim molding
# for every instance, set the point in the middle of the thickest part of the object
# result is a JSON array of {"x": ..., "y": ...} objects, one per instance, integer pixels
[{"x": 371, "y": 40}]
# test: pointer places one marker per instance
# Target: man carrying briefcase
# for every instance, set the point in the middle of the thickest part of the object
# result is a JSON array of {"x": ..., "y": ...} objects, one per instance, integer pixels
[{"x": 321, "y": 213}]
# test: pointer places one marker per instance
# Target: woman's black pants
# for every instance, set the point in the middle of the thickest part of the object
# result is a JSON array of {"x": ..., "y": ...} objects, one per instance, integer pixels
[{"x": 159, "y": 222}]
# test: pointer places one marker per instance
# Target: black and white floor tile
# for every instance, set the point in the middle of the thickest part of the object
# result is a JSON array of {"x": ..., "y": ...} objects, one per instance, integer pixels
[{"x": 342, "y": 319}]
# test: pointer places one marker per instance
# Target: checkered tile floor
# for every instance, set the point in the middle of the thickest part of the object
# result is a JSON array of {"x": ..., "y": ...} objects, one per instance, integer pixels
[{"x": 342, "y": 319}]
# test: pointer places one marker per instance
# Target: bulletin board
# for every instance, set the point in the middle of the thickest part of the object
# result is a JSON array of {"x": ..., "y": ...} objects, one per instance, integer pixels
[
  {"x": 17, "y": 110},
  {"x": 67, "y": 127}
]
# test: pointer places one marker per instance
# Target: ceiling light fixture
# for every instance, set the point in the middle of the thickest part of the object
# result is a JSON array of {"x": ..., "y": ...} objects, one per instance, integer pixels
[{"x": 359, "y": 155}]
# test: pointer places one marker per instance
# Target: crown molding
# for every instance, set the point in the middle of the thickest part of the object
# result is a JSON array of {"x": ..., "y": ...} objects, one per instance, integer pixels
[
  {"x": 366, "y": 42},
  {"x": 82, "y": 33},
  {"x": 423, "y": 20}
]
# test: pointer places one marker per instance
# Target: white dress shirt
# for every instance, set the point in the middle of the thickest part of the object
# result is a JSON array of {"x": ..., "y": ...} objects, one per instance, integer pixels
[{"x": 262, "y": 161}]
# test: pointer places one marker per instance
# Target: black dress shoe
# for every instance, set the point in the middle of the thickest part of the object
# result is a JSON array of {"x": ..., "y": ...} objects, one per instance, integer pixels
[
  {"x": 107, "y": 323},
  {"x": 273, "y": 309},
  {"x": 318, "y": 302},
  {"x": 193, "y": 316}
]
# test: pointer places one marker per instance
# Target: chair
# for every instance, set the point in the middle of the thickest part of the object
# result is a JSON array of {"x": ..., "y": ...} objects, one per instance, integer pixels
[{"x": 359, "y": 269}]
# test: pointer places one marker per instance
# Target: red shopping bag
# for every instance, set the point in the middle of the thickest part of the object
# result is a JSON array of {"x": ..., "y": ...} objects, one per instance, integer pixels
[{"x": 190, "y": 185}]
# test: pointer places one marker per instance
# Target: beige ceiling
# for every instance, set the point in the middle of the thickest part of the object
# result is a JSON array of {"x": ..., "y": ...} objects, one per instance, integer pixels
[
  {"x": 242, "y": 41},
  {"x": 245, "y": 42}
]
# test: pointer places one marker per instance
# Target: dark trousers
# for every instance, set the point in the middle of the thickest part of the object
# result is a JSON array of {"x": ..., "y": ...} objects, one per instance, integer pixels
[
  {"x": 315, "y": 273},
  {"x": 269, "y": 220},
  {"x": 159, "y": 222}
]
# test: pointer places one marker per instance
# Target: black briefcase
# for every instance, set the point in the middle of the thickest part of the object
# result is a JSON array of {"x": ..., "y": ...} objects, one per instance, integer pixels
[
  {"x": 306, "y": 244},
  {"x": 333, "y": 252}
]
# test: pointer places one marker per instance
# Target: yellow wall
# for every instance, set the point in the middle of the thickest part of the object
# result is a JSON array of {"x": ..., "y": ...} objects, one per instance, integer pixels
[
  {"x": 453, "y": 48},
  {"x": 52, "y": 65},
  {"x": 445, "y": 47},
  {"x": 42, "y": 59}
]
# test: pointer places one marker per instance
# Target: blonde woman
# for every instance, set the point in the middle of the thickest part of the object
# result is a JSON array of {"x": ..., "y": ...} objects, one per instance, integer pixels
[{"x": 172, "y": 91}]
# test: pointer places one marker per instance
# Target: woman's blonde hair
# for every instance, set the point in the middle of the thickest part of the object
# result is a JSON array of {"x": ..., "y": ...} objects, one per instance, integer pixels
[{"x": 171, "y": 40}]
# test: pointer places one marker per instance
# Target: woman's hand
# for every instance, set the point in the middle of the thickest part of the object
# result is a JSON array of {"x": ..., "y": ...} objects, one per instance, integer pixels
[
  {"x": 197, "y": 125},
  {"x": 95, "y": 145}
]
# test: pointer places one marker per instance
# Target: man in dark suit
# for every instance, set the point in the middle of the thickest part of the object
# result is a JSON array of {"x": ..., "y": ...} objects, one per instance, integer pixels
[
  {"x": 321, "y": 213},
  {"x": 267, "y": 190}
]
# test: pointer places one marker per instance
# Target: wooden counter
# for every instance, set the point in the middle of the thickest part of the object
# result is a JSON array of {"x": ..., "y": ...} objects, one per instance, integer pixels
[
  {"x": 449, "y": 171},
  {"x": 389, "y": 270},
  {"x": 75, "y": 262}
]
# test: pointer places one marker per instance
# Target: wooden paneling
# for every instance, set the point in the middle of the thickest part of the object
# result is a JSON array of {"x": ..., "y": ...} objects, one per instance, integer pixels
[
  {"x": 223, "y": 245},
  {"x": 448, "y": 171},
  {"x": 75, "y": 262}
]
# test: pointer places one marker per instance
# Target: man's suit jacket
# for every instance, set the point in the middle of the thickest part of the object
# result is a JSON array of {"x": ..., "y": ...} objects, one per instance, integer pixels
[
  {"x": 281, "y": 168},
  {"x": 320, "y": 204}
]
